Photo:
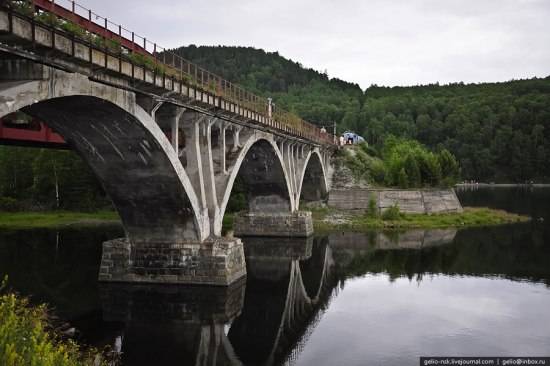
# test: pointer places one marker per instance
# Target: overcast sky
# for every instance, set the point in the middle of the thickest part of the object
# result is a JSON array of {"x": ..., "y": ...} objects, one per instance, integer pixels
[{"x": 384, "y": 42}]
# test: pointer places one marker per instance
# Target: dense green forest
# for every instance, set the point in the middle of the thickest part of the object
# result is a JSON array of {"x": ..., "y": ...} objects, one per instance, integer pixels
[
  {"x": 42, "y": 179},
  {"x": 498, "y": 131}
]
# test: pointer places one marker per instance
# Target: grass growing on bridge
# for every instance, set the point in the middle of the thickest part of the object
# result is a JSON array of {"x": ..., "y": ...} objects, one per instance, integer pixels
[
  {"x": 26, "y": 337},
  {"x": 326, "y": 220},
  {"x": 24, "y": 220}
]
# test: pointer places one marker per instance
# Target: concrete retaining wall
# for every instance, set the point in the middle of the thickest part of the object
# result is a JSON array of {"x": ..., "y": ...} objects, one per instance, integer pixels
[{"x": 409, "y": 201}]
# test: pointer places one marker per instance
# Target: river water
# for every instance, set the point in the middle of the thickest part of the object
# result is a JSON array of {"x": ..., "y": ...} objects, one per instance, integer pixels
[{"x": 345, "y": 299}]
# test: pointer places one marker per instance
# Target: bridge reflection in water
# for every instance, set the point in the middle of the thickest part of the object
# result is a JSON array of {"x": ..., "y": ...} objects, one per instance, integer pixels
[
  {"x": 289, "y": 282},
  {"x": 270, "y": 318}
]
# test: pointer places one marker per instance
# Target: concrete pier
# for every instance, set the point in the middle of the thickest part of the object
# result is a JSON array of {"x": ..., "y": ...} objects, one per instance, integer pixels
[{"x": 214, "y": 262}]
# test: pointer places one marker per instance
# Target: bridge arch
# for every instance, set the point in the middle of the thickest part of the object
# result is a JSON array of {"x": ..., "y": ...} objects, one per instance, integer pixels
[
  {"x": 260, "y": 164},
  {"x": 313, "y": 185},
  {"x": 125, "y": 148}
]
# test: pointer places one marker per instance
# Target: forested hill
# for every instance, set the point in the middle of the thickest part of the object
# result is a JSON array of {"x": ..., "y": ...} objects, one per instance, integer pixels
[
  {"x": 307, "y": 92},
  {"x": 498, "y": 131}
]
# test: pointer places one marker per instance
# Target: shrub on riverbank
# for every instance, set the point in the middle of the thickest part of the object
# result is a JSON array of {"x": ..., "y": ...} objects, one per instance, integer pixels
[
  {"x": 26, "y": 337},
  {"x": 391, "y": 213}
]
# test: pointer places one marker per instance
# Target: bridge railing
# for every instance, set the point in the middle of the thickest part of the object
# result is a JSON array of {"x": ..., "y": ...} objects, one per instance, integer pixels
[{"x": 164, "y": 61}]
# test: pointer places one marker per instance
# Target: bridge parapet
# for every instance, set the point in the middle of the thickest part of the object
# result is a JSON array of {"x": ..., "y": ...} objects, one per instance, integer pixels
[{"x": 98, "y": 46}]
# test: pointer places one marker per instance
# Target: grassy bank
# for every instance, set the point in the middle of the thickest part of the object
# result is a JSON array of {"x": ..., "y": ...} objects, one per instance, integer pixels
[
  {"x": 324, "y": 219},
  {"x": 27, "y": 220},
  {"x": 329, "y": 220},
  {"x": 27, "y": 337}
]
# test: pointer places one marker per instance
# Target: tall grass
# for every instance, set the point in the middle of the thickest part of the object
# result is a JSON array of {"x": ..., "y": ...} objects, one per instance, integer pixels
[
  {"x": 26, "y": 337},
  {"x": 27, "y": 220}
]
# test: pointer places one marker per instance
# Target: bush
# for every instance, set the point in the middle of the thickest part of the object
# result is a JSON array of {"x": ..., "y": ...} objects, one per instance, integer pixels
[
  {"x": 367, "y": 149},
  {"x": 402, "y": 179},
  {"x": 392, "y": 213},
  {"x": 113, "y": 45},
  {"x": 74, "y": 29},
  {"x": 48, "y": 19},
  {"x": 421, "y": 167},
  {"x": 450, "y": 169},
  {"x": 26, "y": 340},
  {"x": 372, "y": 210},
  {"x": 147, "y": 62},
  {"x": 9, "y": 204},
  {"x": 378, "y": 171},
  {"x": 413, "y": 172},
  {"x": 24, "y": 7}
]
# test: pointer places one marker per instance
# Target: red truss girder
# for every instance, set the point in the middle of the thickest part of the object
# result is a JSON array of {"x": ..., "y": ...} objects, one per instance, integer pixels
[{"x": 36, "y": 132}]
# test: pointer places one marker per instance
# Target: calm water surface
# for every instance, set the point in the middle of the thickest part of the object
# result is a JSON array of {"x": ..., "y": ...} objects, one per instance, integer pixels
[{"x": 345, "y": 299}]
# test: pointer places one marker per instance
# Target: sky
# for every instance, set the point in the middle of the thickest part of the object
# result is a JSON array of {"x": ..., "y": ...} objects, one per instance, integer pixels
[{"x": 383, "y": 42}]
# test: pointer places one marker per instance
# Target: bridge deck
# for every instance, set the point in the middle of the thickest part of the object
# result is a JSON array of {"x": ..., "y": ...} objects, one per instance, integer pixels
[{"x": 95, "y": 52}]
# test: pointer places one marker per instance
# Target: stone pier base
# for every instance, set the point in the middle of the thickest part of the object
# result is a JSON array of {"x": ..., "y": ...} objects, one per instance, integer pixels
[
  {"x": 217, "y": 262},
  {"x": 295, "y": 224}
]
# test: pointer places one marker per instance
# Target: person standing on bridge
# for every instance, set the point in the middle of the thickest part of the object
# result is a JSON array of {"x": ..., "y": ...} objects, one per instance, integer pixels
[{"x": 270, "y": 108}]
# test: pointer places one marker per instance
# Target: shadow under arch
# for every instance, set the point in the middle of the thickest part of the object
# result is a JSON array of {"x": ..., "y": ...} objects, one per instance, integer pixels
[
  {"x": 313, "y": 185},
  {"x": 134, "y": 162},
  {"x": 266, "y": 181}
]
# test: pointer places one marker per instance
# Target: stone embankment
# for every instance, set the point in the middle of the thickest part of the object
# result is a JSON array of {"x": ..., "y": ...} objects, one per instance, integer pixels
[{"x": 425, "y": 201}]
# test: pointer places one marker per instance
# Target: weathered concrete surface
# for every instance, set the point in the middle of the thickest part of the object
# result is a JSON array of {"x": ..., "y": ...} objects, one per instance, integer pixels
[
  {"x": 214, "y": 262},
  {"x": 442, "y": 201},
  {"x": 409, "y": 201},
  {"x": 124, "y": 147},
  {"x": 295, "y": 224},
  {"x": 349, "y": 199}
]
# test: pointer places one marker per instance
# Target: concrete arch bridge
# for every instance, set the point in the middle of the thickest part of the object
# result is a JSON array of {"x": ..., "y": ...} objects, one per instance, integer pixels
[{"x": 166, "y": 142}]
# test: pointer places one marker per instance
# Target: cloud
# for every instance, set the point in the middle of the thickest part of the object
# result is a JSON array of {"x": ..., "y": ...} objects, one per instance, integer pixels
[{"x": 399, "y": 42}]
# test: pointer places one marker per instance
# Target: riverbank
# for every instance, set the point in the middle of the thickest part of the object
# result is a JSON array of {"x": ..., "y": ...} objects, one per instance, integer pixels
[
  {"x": 328, "y": 219},
  {"x": 29, "y": 220},
  {"x": 29, "y": 337},
  {"x": 324, "y": 219}
]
